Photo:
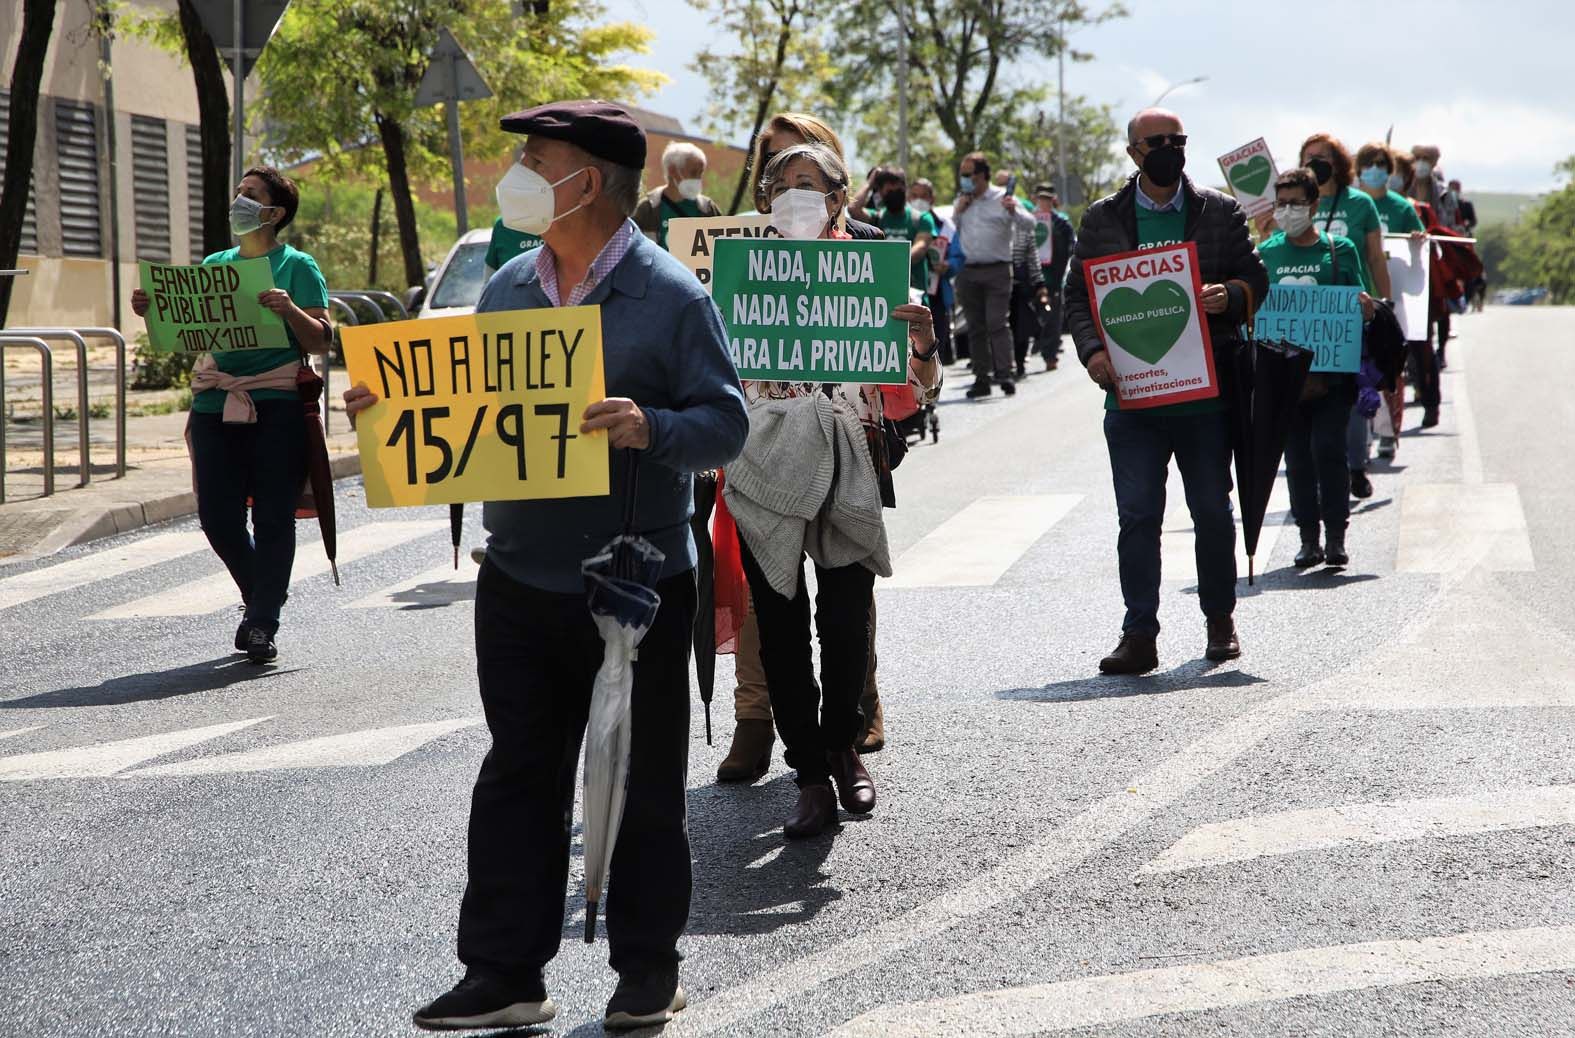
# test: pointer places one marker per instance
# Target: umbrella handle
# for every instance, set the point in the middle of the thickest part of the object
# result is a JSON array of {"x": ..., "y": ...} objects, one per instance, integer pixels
[
  {"x": 334, "y": 565},
  {"x": 708, "y": 724}
]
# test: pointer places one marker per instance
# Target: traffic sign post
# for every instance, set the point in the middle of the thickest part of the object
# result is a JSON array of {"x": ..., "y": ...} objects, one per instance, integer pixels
[
  {"x": 451, "y": 78},
  {"x": 240, "y": 29}
]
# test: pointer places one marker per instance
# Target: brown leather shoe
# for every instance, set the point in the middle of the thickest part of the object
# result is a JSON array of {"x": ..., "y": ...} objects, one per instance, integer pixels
[
  {"x": 873, "y": 740},
  {"x": 815, "y": 812},
  {"x": 750, "y": 755},
  {"x": 1136, "y": 654},
  {"x": 1223, "y": 643},
  {"x": 855, "y": 788}
]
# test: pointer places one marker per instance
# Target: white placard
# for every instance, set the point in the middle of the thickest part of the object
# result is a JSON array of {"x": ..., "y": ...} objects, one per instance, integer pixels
[
  {"x": 692, "y": 239},
  {"x": 1409, "y": 272},
  {"x": 1249, "y": 174},
  {"x": 1146, "y": 309}
]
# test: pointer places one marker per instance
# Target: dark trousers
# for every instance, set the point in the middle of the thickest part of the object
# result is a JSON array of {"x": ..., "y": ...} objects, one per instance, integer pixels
[
  {"x": 1141, "y": 446},
  {"x": 1026, "y": 315},
  {"x": 985, "y": 292},
  {"x": 1423, "y": 373},
  {"x": 1050, "y": 328},
  {"x": 842, "y": 623},
  {"x": 1315, "y": 461},
  {"x": 537, "y": 653},
  {"x": 266, "y": 461},
  {"x": 942, "y": 315}
]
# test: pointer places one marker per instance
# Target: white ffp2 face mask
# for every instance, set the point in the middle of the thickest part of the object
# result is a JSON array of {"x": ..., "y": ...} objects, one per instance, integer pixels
[
  {"x": 1293, "y": 219},
  {"x": 919, "y": 205},
  {"x": 525, "y": 200},
  {"x": 245, "y": 216},
  {"x": 690, "y": 188},
  {"x": 799, "y": 213}
]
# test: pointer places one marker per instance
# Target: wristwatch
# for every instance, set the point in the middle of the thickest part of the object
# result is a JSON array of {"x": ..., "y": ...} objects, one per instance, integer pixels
[{"x": 935, "y": 348}]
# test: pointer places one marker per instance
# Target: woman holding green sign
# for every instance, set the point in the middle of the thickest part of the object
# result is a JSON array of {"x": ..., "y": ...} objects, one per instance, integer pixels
[
  {"x": 1315, "y": 462},
  {"x": 805, "y": 188},
  {"x": 247, "y": 429}
]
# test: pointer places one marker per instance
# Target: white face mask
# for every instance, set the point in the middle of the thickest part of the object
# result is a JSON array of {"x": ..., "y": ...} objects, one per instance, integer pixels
[
  {"x": 690, "y": 188},
  {"x": 245, "y": 216},
  {"x": 1396, "y": 182},
  {"x": 799, "y": 213},
  {"x": 525, "y": 200},
  {"x": 1423, "y": 168},
  {"x": 1293, "y": 219},
  {"x": 919, "y": 205}
]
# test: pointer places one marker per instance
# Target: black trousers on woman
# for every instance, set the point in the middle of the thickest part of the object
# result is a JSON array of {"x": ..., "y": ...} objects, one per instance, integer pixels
[{"x": 814, "y": 719}]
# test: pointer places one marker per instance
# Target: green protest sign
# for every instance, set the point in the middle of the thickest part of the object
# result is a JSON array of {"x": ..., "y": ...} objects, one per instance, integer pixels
[
  {"x": 211, "y": 307},
  {"x": 813, "y": 311}
]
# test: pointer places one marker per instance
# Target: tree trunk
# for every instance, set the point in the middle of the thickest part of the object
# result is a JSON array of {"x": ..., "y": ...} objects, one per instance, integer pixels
[
  {"x": 377, "y": 227},
  {"x": 393, "y": 137},
  {"x": 38, "y": 22},
  {"x": 784, "y": 35},
  {"x": 213, "y": 126}
]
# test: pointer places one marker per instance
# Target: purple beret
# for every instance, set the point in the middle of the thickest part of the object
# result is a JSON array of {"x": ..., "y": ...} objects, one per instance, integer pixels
[{"x": 597, "y": 127}]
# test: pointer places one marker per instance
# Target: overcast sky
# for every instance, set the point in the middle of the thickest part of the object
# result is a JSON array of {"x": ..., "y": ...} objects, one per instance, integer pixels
[{"x": 1486, "y": 82}]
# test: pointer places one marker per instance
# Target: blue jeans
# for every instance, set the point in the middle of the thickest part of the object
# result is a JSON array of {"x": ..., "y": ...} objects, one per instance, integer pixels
[
  {"x": 1316, "y": 464},
  {"x": 265, "y": 461},
  {"x": 1141, "y": 446}
]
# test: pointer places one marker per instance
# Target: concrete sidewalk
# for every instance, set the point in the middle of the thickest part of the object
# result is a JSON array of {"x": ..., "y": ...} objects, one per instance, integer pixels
[{"x": 156, "y": 487}]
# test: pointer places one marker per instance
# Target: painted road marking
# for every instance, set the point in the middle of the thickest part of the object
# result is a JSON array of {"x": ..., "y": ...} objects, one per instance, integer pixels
[
  {"x": 1178, "y": 542},
  {"x": 1101, "y": 1001},
  {"x": 100, "y": 565},
  {"x": 211, "y": 594},
  {"x": 19, "y": 731},
  {"x": 1291, "y": 832},
  {"x": 975, "y": 547},
  {"x": 1445, "y": 527},
  {"x": 101, "y": 760},
  {"x": 1054, "y": 854},
  {"x": 440, "y": 585},
  {"x": 370, "y": 748}
]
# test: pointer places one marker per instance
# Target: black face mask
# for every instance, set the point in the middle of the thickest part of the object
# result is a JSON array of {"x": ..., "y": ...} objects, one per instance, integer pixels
[
  {"x": 1322, "y": 169},
  {"x": 894, "y": 200},
  {"x": 1164, "y": 165}
]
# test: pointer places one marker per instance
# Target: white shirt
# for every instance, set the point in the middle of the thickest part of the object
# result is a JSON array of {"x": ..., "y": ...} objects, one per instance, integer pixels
[{"x": 986, "y": 227}]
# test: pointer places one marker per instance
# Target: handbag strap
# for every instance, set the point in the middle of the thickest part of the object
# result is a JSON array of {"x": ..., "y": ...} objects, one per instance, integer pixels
[{"x": 1334, "y": 260}]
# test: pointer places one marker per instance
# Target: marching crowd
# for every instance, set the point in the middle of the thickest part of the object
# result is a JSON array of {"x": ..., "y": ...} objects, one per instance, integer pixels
[{"x": 784, "y": 472}]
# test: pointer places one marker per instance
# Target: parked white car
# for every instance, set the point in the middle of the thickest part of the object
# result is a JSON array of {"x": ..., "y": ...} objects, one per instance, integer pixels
[{"x": 455, "y": 287}]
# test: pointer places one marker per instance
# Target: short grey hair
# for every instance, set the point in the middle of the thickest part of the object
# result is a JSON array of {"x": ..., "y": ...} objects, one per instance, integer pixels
[
  {"x": 678, "y": 154},
  {"x": 621, "y": 185},
  {"x": 829, "y": 162}
]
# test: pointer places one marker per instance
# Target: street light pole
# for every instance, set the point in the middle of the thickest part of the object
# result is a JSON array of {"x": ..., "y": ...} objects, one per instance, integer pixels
[
  {"x": 238, "y": 102},
  {"x": 1060, "y": 119},
  {"x": 902, "y": 84},
  {"x": 1194, "y": 81}
]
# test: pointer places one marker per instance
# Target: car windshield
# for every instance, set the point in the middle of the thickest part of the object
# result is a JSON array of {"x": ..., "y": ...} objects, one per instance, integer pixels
[{"x": 463, "y": 278}]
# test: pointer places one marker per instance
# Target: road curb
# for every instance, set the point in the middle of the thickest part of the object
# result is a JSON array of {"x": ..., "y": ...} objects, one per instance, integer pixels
[{"x": 91, "y": 526}]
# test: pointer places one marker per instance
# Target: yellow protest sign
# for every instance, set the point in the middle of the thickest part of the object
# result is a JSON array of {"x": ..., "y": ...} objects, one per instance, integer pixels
[
  {"x": 480, "y": 408},
  {"x": 692, "y": 239}
]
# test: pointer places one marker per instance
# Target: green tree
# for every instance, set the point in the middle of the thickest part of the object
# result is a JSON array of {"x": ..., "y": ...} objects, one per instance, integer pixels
[
  {"x": 1093, "y": 163},
  {"x": 38, "y": 23},
  {"x": 771, "y": 60},
  {"x": 340, "y": 75}
]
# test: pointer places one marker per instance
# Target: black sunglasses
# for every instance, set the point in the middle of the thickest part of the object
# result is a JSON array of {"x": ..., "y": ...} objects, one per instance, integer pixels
[{"x": 1159, "y": 140}]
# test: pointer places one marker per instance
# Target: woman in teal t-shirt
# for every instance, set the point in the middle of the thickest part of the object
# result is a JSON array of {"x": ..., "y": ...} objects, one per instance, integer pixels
[
  {"x": 1345, "y": 212},
  {"x": 258, "y": 452}
]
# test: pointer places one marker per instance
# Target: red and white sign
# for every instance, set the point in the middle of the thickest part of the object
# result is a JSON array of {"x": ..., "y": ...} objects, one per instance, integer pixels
[
  {"x": 1146, "y": 308},
  {"x": 1250, "y": 173}
]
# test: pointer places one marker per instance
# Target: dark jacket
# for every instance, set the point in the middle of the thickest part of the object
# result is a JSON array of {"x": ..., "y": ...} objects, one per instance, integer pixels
[
  {"x": 1063, "y": 239},
  {"x": 649, "y": 213},
  {"x": 1215, "y": 221}
]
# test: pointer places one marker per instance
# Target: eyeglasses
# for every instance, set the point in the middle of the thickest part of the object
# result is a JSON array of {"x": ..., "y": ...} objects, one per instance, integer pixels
[{"x": 1160, "y": 140}]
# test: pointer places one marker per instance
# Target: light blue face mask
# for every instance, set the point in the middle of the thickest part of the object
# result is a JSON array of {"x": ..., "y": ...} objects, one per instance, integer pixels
[
  {"x": 1396, "y": 182},
  {"x": 1375, "y": 177}
]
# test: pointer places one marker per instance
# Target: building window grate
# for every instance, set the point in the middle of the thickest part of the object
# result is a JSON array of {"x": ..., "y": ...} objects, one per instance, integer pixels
[
  {"x": 150, "y": 170},
  {"x": 29, "y": 218},
  {"x": 76, "y": 146},
  {"x": 194, "y": 194}
]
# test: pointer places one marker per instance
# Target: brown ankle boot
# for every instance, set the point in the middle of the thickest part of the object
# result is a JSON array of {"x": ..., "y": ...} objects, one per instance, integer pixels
[
  {"x": 1222, "y": 641},
  {"x": 873, "y": 739},
  {"x": 1137, "y": 654},
  {"x": 750, "y": 755},
  {"x": 815, "y": 812},
  {"x": 854, "y": 786}
]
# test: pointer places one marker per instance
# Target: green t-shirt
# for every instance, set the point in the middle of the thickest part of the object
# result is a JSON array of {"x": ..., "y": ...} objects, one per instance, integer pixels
[
  {"x": 906, "y": 226},
  {"x": 670, "y": 210},
  {"x": 507, "y": 243},
  {"x": 296, "y": 273},
  {"x": 1293, "y": 264},
  {"x": 1155, "y": 231},
  {"x": 1396, "y": 214},
  {"x": 1355, "y": 217}
]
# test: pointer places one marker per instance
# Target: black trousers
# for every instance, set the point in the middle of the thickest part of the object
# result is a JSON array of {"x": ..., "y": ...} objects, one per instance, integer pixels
[
  {"x": 842, "y": 622},
  {"x": 537, "y": 653}
]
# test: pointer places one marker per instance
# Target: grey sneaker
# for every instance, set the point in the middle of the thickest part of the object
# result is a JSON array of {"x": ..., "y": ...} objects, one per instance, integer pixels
[{"x": 645, "y": 1000}]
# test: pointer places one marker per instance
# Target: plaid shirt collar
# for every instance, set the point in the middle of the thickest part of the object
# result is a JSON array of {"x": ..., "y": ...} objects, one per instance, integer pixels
[{"x": 611, "y": 255}]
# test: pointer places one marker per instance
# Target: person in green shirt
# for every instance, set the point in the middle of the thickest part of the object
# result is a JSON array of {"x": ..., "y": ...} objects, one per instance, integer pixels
[
  {"x": 899, "y": 221},
  {"x": 1315, "y": 454},
  {"x": 506, "y": 243},
  {"x": 684, "y": 164},
  {"x": 262, "y": 456},
  {"x": 1344, "y": 212}
]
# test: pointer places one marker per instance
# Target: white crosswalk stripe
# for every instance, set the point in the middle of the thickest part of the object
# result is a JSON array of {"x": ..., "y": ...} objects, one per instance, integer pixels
[
  {"x": 99, "y": 565},
  {"x": 439, "y": 585},
  {"x": 101, "y": 760},
  {"x": 975, "y": 547},
  {"x": 213, "y": 593},
  {"x": 362, "y": 749},
  {"x": 19, "y": 731},
  {"x": 1451, "y": 527},
  {"x": 1291, "y": 832},
  {"x": 1178, "y": 540}
]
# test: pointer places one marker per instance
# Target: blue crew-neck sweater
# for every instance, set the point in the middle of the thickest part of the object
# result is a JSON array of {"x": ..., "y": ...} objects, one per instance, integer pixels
[{"x": 665, "y": 348}]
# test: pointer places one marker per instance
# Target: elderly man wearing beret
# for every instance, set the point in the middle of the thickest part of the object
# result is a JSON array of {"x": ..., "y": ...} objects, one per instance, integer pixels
[{"x": 675, "y": 402}]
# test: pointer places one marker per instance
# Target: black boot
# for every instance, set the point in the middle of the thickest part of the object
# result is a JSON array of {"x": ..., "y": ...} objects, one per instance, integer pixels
[
  {"x": 1334, "y": 550},
  {"x": 1311, "y": 554}
]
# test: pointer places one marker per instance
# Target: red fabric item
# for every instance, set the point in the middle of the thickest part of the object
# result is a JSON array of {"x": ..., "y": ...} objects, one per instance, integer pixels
[
  {"x": 731, "y": 590},
  {"x": 899, "y": 402}
]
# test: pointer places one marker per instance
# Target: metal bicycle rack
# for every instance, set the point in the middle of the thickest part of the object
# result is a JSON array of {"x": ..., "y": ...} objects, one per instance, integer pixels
[
  {"x": 46, "y": 359},
  {"x": 375, "y": 296},
  {"x": 80, "y": 343},
  {"x": 120, "y": 379}
]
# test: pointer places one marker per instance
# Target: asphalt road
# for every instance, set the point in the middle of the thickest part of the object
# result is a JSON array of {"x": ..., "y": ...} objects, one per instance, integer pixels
[{"x": 1360, "y": 828}]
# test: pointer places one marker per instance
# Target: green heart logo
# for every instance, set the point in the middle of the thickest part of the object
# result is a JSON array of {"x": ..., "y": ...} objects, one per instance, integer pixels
[
  {"x": 1146, "y": 325},
  {"x": 1252, "y": 176},
  {"x": 1041, "y": 234}
]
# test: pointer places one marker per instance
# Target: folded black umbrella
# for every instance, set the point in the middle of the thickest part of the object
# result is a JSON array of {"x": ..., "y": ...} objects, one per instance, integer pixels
[
  {"x": 705, "y": 574},
  {"x": 1265, "y": 382},
  {"x": 318, "y": 497},
  {"x": 456, "y": 523}
]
